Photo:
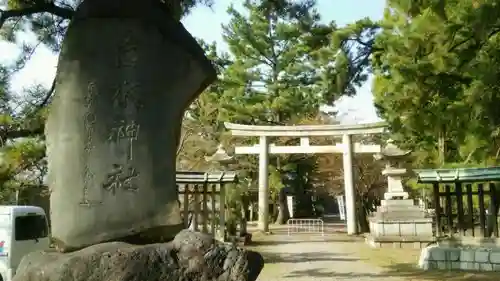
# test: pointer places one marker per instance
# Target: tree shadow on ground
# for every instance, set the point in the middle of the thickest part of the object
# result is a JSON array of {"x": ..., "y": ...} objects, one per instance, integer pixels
[
  {"x": 400, "y": 271},
  {"x": 412, "y": 272},
  {"x": 319, "y": 239},
  {"x": 297, "y": 238},
  {"x": 327, "y": 274},
  {"x": 273, "y": 258}
]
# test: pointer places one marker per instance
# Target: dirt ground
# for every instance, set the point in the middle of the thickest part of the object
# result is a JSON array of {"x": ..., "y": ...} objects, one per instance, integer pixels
[
  {"x": 337, "y": 256},
  {"x": 305, "y": 257}
]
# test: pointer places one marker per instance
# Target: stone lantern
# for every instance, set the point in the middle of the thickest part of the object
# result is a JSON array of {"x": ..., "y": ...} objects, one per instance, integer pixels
[
  {"x": 220, "y": 156},
  {"x": 398, "y": 221},
  {"x": 224, "y": 160},
  {"x": 394, "y": 158}
]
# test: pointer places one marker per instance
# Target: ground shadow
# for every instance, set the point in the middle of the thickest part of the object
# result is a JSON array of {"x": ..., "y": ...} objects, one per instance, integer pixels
[
  {"x": 412, "y": 272},
  {"x": 402, "y": 271},
  {"x": 269, "y": 242},
  {"x": 273, "y": 258},
  {"x": 324, "y": 273}
]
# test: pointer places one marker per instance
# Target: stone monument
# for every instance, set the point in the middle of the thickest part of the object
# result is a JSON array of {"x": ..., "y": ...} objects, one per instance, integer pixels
[
  {"x": 125, "y": 75},
  {"x": 398, "y": 220}
]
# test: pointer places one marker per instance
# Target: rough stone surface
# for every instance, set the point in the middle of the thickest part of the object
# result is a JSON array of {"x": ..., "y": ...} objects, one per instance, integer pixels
[
  {"x": 126, "y": 73},
  {"x": 470, "y": 258},
  {"x": 190, "y": 256}
]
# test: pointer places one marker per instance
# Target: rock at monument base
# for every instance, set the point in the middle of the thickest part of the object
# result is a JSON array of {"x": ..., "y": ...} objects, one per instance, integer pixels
[
  {"x": 190, "y": 256},
  {"x": 125, "y": 75}
]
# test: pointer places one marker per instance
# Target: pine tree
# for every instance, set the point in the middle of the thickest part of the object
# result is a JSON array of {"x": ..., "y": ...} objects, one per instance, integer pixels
[
  {"x": 434, "y": 81},
  {"x": 275, "y": 76},
  {"x": 22, "y": 164},
  {"x": 278, "y": 75}
]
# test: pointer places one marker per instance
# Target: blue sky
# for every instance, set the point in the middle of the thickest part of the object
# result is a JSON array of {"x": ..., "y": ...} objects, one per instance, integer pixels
[{"x": 206, "y": 23}]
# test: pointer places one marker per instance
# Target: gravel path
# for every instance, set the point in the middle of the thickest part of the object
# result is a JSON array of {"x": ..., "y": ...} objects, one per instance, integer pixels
[{"x": 301, "y": 258}]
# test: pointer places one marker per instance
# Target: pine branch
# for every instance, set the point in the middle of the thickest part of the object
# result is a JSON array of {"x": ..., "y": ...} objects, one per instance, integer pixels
[
  {"x": 187, "y": 133},
  {"x": 39, "y": 7},
  {"x": 10, "y": 134},
  {"x": 48, "y": 95}
]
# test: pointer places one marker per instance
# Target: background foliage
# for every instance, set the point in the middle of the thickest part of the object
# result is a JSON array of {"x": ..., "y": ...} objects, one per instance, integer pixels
[{"x": 435, "y": 65}]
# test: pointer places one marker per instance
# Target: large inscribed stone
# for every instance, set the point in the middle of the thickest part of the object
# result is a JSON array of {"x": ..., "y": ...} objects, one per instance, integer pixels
[{"x": 126, "y": 73}]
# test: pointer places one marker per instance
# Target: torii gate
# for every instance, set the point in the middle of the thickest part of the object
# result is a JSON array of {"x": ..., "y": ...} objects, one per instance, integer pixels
[{"x": 263, "y": 149}]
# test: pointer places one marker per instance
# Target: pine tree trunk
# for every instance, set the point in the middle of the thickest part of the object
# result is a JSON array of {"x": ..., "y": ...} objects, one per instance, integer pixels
[
  {"x": 362, "y": 215},
  {"x": 283, "y": 214},
  {"x": 243, "y": 220},
  {"x": 442, "y": 146}
]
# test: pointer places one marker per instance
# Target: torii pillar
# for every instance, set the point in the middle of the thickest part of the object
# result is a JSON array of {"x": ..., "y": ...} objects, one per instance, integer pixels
[{"x": 263, "y": 223}]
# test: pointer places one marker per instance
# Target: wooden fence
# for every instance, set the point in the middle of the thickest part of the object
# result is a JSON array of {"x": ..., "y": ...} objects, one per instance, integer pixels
[
  {"x": 466, "y": 203},
  {"x": 204, "y": 194}
]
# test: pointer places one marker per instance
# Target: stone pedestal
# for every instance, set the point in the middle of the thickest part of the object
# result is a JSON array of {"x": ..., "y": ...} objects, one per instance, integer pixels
[
  {"x": 400, "y": 222},
  {"x": 400, "y": 218}
]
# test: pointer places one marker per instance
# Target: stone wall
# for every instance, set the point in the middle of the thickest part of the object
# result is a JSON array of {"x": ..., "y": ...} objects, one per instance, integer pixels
[{"x": 460, "y": 258}]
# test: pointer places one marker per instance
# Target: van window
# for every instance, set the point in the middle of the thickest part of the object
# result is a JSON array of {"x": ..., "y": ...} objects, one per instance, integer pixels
[{"x": 30, "y": 227}]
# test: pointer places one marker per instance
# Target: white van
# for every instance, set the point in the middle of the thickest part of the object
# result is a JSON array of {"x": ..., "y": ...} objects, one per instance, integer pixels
[{"x": 23, "y": 229}]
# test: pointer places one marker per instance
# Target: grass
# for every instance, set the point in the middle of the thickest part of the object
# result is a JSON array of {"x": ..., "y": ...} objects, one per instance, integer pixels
[{"x": 403, "y": 262}]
